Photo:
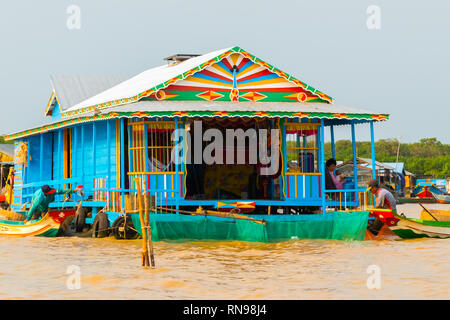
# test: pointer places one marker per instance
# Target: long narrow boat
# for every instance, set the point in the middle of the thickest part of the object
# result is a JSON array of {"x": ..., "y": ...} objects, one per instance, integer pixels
[
  {"x": 408, "y": 228},
  {"x": 442, "y": 198},
  {"x": 48, "y": 226},
  {"x": 440, "y": 215}
]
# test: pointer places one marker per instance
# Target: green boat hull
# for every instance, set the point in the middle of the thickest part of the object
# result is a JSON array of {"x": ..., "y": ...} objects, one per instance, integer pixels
[
  {"x": 417, "y": 228},
  {"x": 334, "y": 225}
]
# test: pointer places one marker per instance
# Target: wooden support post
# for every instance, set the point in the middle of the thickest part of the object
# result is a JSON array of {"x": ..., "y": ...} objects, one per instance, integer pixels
[
  {"x": 83, "y": 154},
  {"x": 131, "y": 168},
  {"x": 322, "y": 164},
  {"x": 333, "y": 150},
  {"x": 177, "y": 166},
  {"x": 372, "y": 144},
  {"x": 282, "y": 124},
  {"x": 41, "y": 157},
  {"x": 122, "y": 159},
  {"x": 94, "y": 148},
  {"x": 148, "y": 204},
  {"x": 145, "y": 259},
  {"x": 108, "y": 154},
  {"x": 355, "y": 162}
]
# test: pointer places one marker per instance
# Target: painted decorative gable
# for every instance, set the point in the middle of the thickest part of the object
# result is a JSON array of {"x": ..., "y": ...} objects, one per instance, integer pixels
[
  {"x": 237, "y": 78},
  {"x": 217, "y": 70}
]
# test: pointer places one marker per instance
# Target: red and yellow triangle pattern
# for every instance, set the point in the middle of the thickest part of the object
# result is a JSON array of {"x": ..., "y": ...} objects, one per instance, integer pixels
[
  {"x": 253, "y": 96},
  {"x": 210, "y": 95}
]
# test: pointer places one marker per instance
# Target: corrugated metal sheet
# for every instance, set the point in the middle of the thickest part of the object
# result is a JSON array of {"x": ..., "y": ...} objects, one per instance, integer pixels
[
  {"x": 398, "y": 166},
  {"x": 146, "y": 80},
  {"x": 73, "y": 89},
  {"x": 231, "y": 106}
]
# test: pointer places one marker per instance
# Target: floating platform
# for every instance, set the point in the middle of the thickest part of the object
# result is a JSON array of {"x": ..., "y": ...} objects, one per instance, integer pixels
[{"x": 330, "y": 225}]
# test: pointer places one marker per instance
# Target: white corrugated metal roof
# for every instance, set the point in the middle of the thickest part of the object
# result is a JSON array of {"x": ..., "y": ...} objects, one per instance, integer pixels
[
  {"x": 146, "y": 80},
  {"x": 73, "y": 89}
]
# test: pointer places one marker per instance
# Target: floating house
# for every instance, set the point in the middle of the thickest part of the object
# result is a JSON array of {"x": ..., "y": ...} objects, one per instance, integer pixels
[{"x": 107, "y": 131}]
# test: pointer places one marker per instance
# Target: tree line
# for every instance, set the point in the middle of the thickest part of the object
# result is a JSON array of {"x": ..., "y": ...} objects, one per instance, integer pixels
[{"x": 426, "y": 157}]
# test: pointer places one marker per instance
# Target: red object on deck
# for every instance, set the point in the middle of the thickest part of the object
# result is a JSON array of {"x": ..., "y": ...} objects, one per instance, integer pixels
[
  {"x": 60, "y": 215},
  {"x": 385, "y": 215},
  {"x": 2, "y": 198}
]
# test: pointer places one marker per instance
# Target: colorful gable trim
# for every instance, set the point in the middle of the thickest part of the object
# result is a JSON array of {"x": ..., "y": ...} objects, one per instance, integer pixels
[
  {"x": 224, "y": 114},
  {"x": 234, "y": 96}
]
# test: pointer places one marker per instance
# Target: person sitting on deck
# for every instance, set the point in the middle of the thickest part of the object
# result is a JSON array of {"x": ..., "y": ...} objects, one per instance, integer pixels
[
  {"x": 41, "y": 200},
  {"x": 384, "y": 200},
  {"x": 330, "y": 179},
  {"x": 339, "y": 180}
]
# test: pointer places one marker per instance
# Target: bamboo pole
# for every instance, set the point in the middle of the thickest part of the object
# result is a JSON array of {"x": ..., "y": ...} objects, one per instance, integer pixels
[
  {"x": 145, "y": 259},
  {"x": 202, "y": 212},
  {"x": 147, "y": 227}
]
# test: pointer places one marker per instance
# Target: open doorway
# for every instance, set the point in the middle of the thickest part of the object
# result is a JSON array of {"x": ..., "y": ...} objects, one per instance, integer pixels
[{"x": 244, "y": 178}]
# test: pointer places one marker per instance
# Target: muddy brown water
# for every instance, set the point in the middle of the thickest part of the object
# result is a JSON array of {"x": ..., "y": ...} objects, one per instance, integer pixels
[{"x": 36, "y": 268}]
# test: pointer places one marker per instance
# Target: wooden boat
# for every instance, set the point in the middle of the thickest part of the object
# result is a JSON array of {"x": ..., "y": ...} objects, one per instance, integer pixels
[
  {"x": 408, "y": 228},
  {"x": 442, "y": 198},
  {"x": 48, "y": 226},
  {"x": 416, "y": 200},
  {"x": 422, "y": 191},
  {"x": 440, "y": 215}
]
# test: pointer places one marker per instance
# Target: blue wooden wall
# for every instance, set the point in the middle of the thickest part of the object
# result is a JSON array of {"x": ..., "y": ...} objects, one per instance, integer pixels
[{"x": 92, "y": 157}]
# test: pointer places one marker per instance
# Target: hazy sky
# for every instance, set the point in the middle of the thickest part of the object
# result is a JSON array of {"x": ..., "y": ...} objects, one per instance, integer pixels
[{"x": 402, "y": 69}]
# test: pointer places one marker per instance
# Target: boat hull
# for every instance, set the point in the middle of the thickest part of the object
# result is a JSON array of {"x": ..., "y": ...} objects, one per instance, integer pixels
[
  {"x": 417, "y": 228},
  {"x": 440, "y": 215},
  {"x": 48, "y": 226},
  {"x": 416, "y": 200},
  {"x": 442, "y": 198}
]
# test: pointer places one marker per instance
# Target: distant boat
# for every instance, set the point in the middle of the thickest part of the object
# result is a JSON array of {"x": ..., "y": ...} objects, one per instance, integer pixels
[
  {"x": 442, "y": 198},
  {"x": 48, "y": 226},
  {"x": 416, "y": 200},
  {"x": 426, "y": 191}
]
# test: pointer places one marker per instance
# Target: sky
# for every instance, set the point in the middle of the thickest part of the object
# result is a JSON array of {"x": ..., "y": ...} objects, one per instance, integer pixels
[{"x": 402, "y": 68}]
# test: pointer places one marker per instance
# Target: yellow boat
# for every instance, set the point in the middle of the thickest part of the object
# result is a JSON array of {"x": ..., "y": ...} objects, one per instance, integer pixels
[
  {"x": 440, "y": 215},
  {"x": 48, "y": 226}
]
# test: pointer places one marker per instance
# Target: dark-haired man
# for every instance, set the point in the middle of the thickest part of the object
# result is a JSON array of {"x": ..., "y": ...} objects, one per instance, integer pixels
[
  {"x": 42, "y": 198},
  {"x": 383, "y": 199}
]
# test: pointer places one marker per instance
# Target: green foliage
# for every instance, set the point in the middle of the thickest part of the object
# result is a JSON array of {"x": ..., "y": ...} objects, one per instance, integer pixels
[
  {"x": 426, "y": 157},
  {"x": 2, "y": 141}
]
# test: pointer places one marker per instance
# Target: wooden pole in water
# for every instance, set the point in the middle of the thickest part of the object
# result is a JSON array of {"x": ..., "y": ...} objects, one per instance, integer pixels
[
  {"x": 145, "y": 260},
  {"x": 147, "y": 227}
]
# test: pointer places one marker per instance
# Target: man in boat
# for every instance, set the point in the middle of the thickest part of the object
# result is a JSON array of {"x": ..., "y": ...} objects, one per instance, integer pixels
[
  {"x": 42, "y": 198},
  {"x": 383, "y": 200}
]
